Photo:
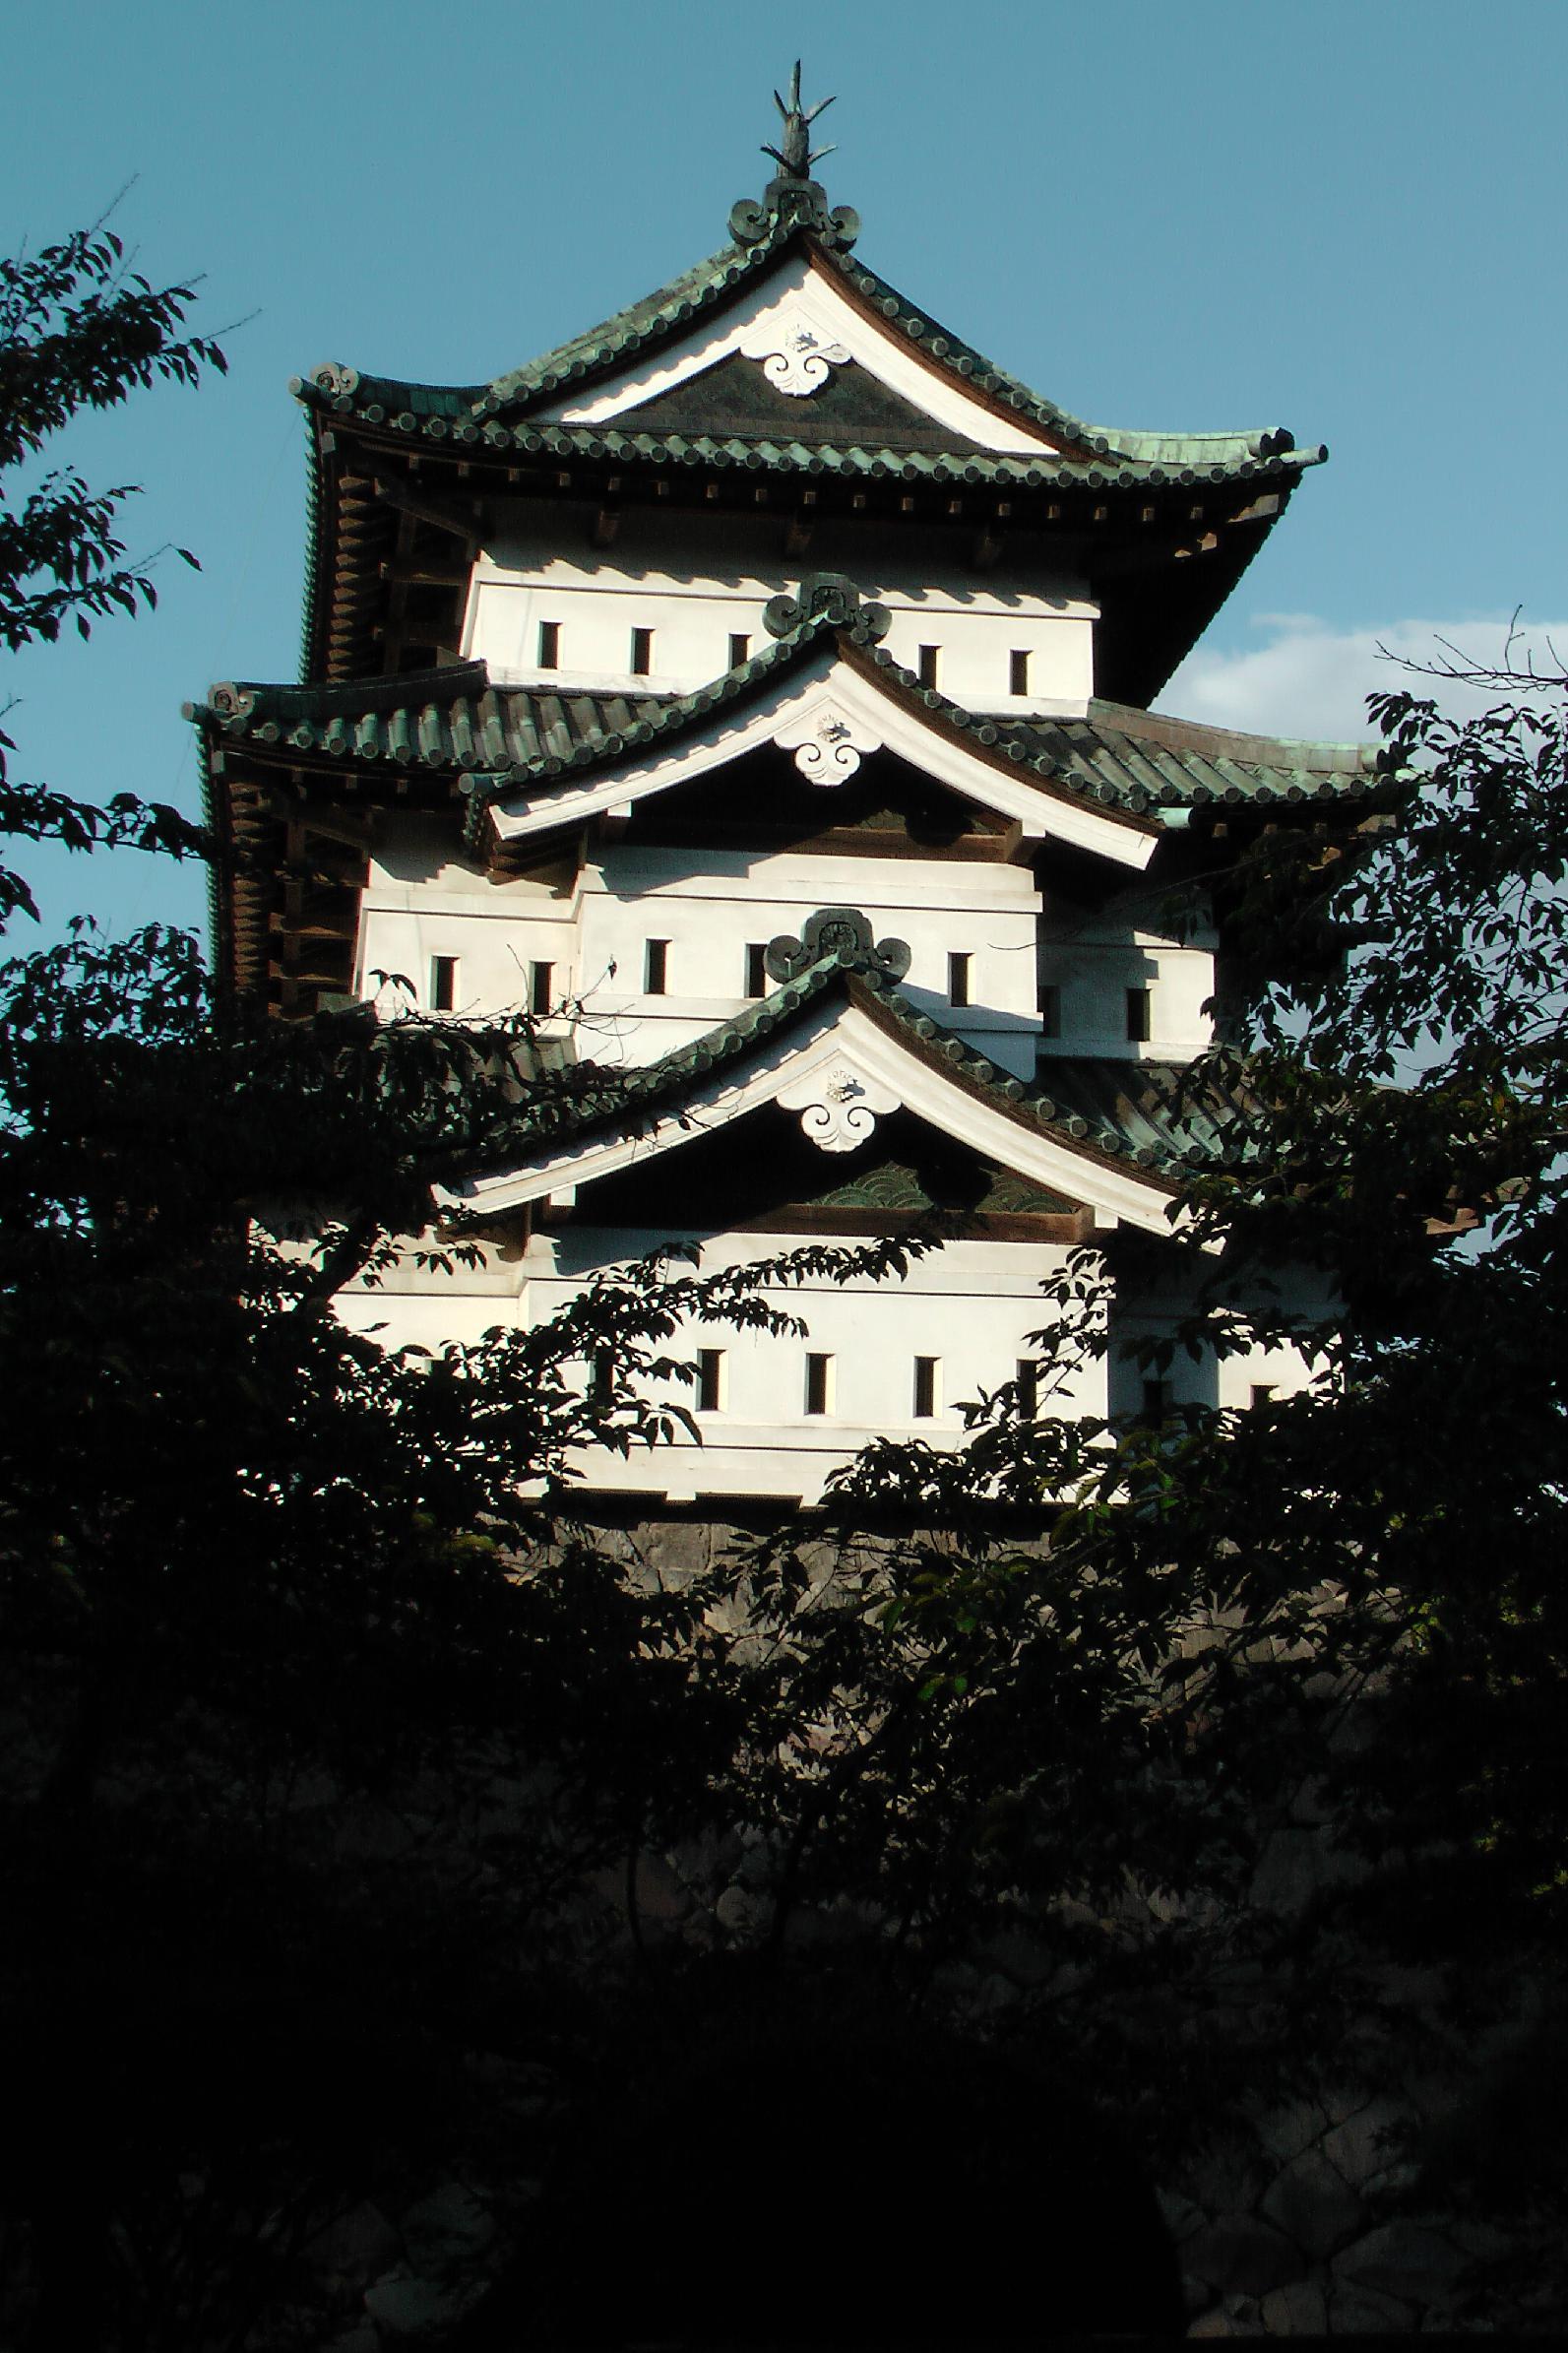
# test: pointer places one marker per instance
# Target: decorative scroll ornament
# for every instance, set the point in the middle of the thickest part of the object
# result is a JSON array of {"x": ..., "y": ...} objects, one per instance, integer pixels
[
  {"x": 341, "y": 382},
  {"x": 796, "y": 356},
  {"x": 827, "y": 596},
  {"x": 835, "y": 930},
  {"x": 838, "y": 1107},
  {"x": 229, "y": 701},
  {"x": 832, "y": 755},
  {"x": 827, "y": 743}
]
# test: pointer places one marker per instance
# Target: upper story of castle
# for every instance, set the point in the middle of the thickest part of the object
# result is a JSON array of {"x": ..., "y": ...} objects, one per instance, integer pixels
[{"x": 770, "y": 593}]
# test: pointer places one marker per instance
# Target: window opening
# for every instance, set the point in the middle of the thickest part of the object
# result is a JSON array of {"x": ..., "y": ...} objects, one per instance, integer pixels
[
  {"x": 655, "y": 966},
  {"x": 443, "y": 984},
  {"x": 927, "y": 1387},
  {"x": 739, "y": 651},
  {"x": 642, "y": 653},
  {"x": 1018, "y": 671},
  {"x": 820, "y": 1383},
  {"x": 756, "y": 969},
  {"x": 927, "y": 669},
  {"x": 1051, "y": 1010},
  {"x": 958, "y": 979},
  {"x": 549, "y": 645},
  {"x": 711, "y": 1383},
  {"x": 1029, "y": 1387},
  {"x": 1138, "y": 1016},
  {"x": 601, "y": 1374},
  {"x": 1263, "y": 1393},
  {"x": 541, "y": 988},
  {"x": 1157, "y": 1400}
]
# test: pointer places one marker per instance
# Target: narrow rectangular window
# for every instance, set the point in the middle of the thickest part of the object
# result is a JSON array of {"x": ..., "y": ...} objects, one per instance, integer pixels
[
  {"x": 443, "y": 984},
  {"x": 711, "y": 1383},
  {"x": 1262, "y": 1392},
  {"x": 820, "y": 1383},
  {"x": 1029, "y": 1387},
  {"x": 739, "y": 651},
  {"x": 1138, "y": 1016},
  {"x": 549, "y": 645},
  {"x": 601, "y": 1374},
  {"x": 927, "y": 667},
  {"x": 1157, "y": 1400},
  {"x": 927, "y": 1387},
  {"x": 541, "y": 988},
  {"x": 642, "y": 653},
  {"x": 756, "y": 969},
  {"x": 655, "y": 966},
  {"x": 1051, "y": 1010},
  {"x": 1018, "y": 671},
  {"x": 958, "y": 979}
]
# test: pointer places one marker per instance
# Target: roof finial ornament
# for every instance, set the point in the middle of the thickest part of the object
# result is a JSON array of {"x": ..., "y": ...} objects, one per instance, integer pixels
[
  {"x": 792, "y": 198},
  {"x": 798, "y": 154}
]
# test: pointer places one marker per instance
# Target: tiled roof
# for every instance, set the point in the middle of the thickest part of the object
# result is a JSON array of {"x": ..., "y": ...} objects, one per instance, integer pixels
[
  {"x": 500, "y": 414},
  {"x": 1131, "y": 1115},
  {"x": 450, "y": 719},
  {"x": 1186, "y": 461},
  {"x": 498, "y": 738}
]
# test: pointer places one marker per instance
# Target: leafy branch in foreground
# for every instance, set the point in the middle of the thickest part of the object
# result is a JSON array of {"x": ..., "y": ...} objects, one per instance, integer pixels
[{"x": 79, "y": 330}]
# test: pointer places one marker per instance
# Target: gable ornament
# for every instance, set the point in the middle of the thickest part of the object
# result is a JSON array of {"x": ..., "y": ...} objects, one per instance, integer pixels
[
  {"x": 834, "y": 931},
  {"x": 796, "y": 356},
  {"x": 839, "y": 1106}
]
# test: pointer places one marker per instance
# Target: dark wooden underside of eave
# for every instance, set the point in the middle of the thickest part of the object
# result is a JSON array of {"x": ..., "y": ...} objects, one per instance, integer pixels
[{"x": 387, "y": 599}]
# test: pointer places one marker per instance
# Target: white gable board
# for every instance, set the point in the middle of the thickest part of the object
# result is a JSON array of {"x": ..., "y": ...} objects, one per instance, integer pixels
[
  {"x": 841, "y": 1071},
  {"x": 829, "y": 715},
  {"x": 798, "y": 326}
]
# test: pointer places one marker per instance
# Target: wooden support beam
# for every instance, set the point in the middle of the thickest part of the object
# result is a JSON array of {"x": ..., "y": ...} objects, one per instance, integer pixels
[
  {"x": 419, "y": 572},
  {"x": 424, "y": 509}
]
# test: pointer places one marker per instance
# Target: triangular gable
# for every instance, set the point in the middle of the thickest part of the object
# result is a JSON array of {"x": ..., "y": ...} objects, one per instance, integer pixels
[
  {"x": 830, "y": 709},
  {"x": 850, "y": 408},
  {"x": 840, "y": 1060},
  {"x": 797, "y": 324}
]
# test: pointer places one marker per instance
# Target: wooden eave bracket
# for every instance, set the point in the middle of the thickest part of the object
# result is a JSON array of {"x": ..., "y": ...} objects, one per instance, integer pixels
[{"x": 395, "y": 493}]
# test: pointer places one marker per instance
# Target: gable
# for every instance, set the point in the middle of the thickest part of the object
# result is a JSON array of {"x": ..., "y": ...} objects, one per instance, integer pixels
[
  {"x": 850, "y": 404},
  {"x": 796, "y": 328},
  {"x": 842, "y": 1065},
  {"x": 830, "y": 714},
  {"x": 763, "y": 1174}
]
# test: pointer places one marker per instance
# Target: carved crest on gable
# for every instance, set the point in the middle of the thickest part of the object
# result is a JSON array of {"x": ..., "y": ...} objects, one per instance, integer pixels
[
  {"x": 827, "y": 743},
  {"x": 797, "y": 356},
  {"x": 838, "y": 1108}
]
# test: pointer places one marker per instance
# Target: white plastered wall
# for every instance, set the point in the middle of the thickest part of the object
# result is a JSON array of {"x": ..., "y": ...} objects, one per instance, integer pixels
[
  {"x": 1092, "y": 958},
  {"x": 695, "y": 583},
  {"x": 971, "y": 1305}
]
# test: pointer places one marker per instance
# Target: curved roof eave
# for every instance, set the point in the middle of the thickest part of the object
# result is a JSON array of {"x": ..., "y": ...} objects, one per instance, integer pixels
[
  {"x": 1140, "y": 1174},
  {"x": 661, "y": 317}
]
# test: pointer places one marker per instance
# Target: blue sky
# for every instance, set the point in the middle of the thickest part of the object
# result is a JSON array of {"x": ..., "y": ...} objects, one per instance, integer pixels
[{"x": 1348, "y": 219}]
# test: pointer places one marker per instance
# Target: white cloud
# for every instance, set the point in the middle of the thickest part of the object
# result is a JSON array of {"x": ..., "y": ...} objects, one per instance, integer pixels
[{"x": 1310, "y": 680}]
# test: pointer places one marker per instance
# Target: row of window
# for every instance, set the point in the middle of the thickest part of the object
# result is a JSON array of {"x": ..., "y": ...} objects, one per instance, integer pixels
[
  {"x": 444, "y": 985},
  {"x": 821, "y": 1384},
  {"x": 655, "y": 983},
  {"x": 928, "y": 659},
  {"x": 820, "y": 1395}
]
